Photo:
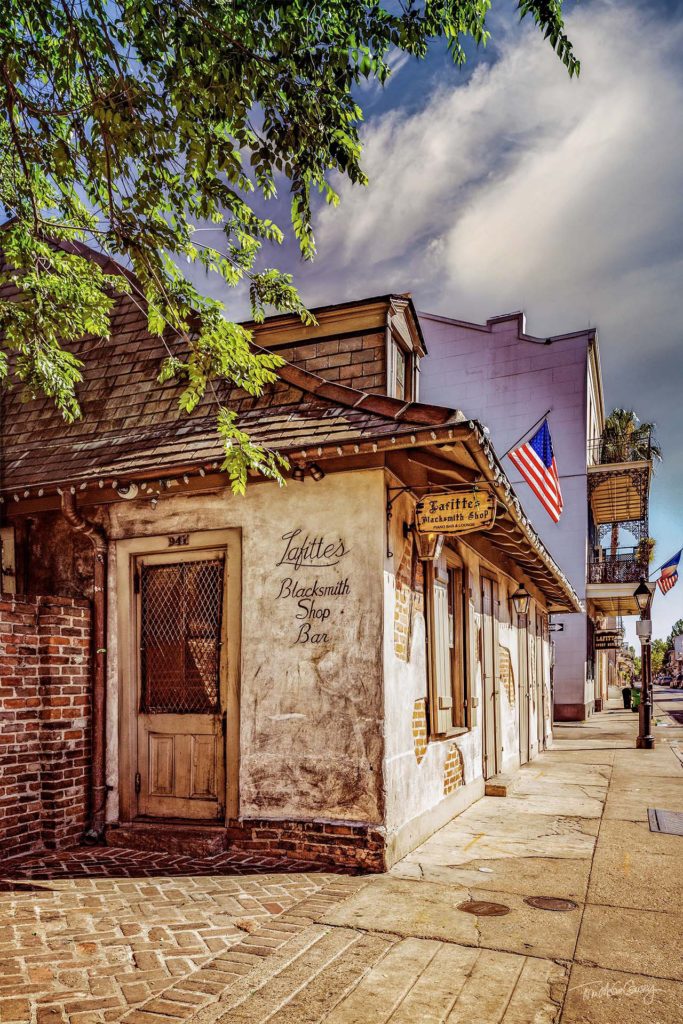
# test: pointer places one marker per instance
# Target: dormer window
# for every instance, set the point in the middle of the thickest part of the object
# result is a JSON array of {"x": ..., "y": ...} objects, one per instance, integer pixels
[
  {"x": 401, "y": 376},
  {"x": 402, "y": 382}
]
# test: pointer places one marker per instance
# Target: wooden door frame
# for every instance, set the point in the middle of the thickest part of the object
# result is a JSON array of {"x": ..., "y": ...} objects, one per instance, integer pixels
[
  {"x": 460, "y": 656},
  {"x": 524, "y": 697},
  {"x": 170, "y": 545},
  {"x": 497, "y": 737},
  {"x": 541, "y": 620}
]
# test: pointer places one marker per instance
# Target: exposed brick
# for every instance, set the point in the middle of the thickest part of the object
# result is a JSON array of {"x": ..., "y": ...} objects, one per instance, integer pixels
[{"x": 44, "y": 722}]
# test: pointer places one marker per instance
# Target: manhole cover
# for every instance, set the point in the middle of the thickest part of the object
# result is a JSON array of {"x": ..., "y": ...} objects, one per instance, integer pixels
[
  {"x": 670, "y": 822},
  {"x": 483, "y": 909},
  {"x": 550, "y": 903}
]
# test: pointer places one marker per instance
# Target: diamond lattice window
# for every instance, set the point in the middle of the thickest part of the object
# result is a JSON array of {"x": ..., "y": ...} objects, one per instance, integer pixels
[{"x": 181, "y": 637}]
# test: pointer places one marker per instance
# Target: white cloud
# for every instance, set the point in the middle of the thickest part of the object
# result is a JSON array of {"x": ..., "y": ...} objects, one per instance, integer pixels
[
  {"x": 519, "y": 188},
  {"x": 522, "y": 187}
]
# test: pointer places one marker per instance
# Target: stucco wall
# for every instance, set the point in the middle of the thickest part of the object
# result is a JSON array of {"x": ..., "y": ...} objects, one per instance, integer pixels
[
  {"x": 416, "y": 771},
  {"x": 507, "y": 383},
  {"x": 311, "y": 711}
]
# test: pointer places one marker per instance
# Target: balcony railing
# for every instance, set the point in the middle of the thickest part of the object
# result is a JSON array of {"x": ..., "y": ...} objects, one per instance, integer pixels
[
  {"x": 603, "y": 450},
  {"x": 625, "y": 568}
]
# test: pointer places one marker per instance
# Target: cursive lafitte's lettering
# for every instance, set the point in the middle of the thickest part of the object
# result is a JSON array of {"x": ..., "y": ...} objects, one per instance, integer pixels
[{"x": 311, "y": 552}]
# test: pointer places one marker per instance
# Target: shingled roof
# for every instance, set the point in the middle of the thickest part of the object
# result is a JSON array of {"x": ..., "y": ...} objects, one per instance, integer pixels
[
  {"x": 132, "y": 428},
  {"x": 132, "y": 425}
]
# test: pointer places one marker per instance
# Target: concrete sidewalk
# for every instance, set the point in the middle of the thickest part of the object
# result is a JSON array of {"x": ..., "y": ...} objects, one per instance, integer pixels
[
  {"x": 398, "y": 950},
  {"x": 99, "y": 935}
]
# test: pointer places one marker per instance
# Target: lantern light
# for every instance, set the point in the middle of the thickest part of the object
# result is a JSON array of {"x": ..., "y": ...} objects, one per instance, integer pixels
[{"x": 520, "y": 600}]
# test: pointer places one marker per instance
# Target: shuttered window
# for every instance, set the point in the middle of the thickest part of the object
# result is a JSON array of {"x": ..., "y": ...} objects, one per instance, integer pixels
[{"x": 448, "y": 635}]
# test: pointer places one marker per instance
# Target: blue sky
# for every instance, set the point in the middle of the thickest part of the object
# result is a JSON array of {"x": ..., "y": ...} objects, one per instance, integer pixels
[{"x": 508, "y": 186}]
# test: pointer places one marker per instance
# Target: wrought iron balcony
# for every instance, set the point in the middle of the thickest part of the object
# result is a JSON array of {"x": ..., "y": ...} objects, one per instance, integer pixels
[
  {"x": 605, "y": 451},
  {"x": 626, "y": 567}
]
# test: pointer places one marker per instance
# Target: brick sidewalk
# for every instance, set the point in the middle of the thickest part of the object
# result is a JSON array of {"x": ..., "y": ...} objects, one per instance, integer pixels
[{"x": 88, "y": 935}]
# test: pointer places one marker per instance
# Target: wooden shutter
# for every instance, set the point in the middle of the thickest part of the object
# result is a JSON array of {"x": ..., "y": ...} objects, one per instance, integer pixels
[{"x": 443, "y": 661}]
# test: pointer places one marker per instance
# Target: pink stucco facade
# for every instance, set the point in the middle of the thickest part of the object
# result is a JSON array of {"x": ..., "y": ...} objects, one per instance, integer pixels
[{"x": 507, "y": 379}]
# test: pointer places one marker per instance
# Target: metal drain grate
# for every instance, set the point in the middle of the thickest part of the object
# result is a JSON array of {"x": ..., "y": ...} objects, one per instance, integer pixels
[
  {"x": 670, "y": 822},
  {"x": 483, "y": 909},
  {"x": 550, "y": 903}
]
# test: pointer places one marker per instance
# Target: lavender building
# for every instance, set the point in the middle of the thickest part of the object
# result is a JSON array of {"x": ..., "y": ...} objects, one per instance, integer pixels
[{"x": 508, "y": 379}]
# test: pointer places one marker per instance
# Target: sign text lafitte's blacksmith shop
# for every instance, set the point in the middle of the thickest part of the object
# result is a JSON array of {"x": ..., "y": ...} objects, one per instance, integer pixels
[{"x": 314, "y": 599}]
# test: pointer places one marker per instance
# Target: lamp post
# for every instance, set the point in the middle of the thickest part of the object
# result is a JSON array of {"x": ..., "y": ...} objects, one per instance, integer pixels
[{"x": 643, "y": 596}]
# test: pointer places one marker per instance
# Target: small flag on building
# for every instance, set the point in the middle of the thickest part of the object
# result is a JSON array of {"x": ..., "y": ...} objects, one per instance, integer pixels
[
  {"x": 668, "y": 576},
  {"x": 536, "y": 463}
]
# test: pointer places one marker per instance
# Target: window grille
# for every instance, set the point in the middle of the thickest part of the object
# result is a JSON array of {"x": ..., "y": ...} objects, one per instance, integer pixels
[{"x": 180, "y": 643}]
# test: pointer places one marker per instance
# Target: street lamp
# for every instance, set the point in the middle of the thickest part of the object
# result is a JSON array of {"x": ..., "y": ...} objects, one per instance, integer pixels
[
  {"x": 428, "y": 545},
  {"x": 520, "y": 599},
  {"x": 643, "y": 597}
]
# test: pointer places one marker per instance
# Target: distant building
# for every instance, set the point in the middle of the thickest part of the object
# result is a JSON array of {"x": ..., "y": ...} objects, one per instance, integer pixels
[{"x": 508, "y": 379}]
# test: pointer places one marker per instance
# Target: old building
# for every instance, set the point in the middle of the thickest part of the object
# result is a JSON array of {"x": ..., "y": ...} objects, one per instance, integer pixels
[
  {"x": 509, "y": 379},
  {"x": 300, "y": 670}
]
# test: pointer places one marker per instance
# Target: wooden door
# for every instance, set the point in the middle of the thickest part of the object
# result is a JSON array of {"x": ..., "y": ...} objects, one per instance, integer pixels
[
  {"x": 489, "y": 650},
  {"x": 181, "y": 650},
  {"x": 540, "y": 678},
  {"x": 524, "y": 694}
]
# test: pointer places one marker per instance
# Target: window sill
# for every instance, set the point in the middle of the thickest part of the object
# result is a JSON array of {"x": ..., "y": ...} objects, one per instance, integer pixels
[{"x": 460, "y": 730}]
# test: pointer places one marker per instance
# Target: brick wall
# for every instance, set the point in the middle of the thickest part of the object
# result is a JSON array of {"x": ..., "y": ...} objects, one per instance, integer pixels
[
  {"x": 44, "y": 722},
  {"x": 453, "y": 770}
]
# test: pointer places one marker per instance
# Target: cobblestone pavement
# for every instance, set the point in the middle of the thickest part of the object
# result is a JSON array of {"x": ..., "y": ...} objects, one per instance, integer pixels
[{"x": 89, "y": 935}]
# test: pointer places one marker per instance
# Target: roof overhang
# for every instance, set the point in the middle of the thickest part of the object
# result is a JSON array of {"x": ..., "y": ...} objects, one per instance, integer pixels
[{"x": 612, "y": 599}]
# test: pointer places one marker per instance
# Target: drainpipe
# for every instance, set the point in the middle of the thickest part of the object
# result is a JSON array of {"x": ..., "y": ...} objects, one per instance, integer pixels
[{"x": 98, "y": 788}]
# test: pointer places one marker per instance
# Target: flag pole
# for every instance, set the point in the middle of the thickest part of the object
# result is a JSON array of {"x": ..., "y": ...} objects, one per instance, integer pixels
[{"x": 539, "y": 420}]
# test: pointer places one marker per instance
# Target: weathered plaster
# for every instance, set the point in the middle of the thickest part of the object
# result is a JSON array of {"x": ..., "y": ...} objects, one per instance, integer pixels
[{"x": 311, "y": 712}]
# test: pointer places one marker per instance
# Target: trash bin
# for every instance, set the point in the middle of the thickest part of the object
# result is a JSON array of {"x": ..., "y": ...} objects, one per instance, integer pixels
[
  {"x": 635, "y": 698},
  {"x": 626, "y": 694}
]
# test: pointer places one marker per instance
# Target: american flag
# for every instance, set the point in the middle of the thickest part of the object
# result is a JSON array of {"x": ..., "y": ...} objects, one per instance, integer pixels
[
  {"x": 536, "y": 463},
  {"x": 668, "y": 576}
]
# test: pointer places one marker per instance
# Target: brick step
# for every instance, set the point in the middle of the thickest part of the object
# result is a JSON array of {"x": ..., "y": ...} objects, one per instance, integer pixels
[
  {"x": 181, "y": 839},
  {"x": 503, "y": 784}
]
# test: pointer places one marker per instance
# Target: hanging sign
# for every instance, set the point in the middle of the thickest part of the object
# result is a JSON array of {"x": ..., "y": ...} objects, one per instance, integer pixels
[
  {"x": 608, "y": 639},
  {"x": 457, "y": 512}
]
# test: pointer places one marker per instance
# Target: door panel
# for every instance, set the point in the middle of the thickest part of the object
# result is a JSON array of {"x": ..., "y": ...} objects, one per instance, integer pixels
[
  {"x": 540, "y": 680},
  {"x": 524, "y": 695},
  {"x": 180, "y": 742},
  {"x": 443, "y": 660},
  {"x": 489, "y": 646}
]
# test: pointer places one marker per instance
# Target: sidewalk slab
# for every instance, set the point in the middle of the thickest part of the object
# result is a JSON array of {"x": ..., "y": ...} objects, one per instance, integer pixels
[
  {"x": 637, "y": 941},
  {"x": 597, "y": 996},
  {"x": 630, "y": 802},
  {"x": 622, "y": 878},
  {"x": 565, "y": 877},
  {"x": 430, "y": 910}
]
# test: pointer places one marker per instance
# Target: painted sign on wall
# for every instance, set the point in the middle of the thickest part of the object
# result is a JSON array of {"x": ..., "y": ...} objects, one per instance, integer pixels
[
  {"x": 457, "y": 512},
  {"x": 312, "y": 595}
]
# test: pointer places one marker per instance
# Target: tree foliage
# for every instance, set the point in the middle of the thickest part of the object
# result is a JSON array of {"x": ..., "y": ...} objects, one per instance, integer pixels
[
  {"x": 131, "y": 124},
  {"x": 658, "y": 654}
]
